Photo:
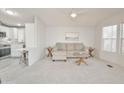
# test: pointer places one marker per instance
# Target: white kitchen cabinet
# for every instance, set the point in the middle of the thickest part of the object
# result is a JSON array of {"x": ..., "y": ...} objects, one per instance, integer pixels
[
  {"x": 21, "y": 35},
  {"x": 5, "y": 29},
  {"x": 15, "y": 50}
]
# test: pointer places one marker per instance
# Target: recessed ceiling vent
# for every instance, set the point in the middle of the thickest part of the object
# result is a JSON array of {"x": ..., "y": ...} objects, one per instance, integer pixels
[{"x": 110, "y": 66}]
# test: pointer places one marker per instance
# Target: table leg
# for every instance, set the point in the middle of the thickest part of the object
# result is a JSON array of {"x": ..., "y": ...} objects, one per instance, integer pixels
[{"x": 81, "y": 61}]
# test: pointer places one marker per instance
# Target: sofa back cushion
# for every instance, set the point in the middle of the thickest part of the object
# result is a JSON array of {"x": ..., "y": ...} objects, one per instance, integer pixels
[
  {"x": 79, "y": 46},
  {"x": 61, "y": 46},
  {"x": 70, "y": 46},
  {"x": 75, "y": 46}
]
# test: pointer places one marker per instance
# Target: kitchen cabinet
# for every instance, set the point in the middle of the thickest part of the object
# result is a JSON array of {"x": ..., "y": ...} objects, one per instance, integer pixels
[
  {"x": 15, "y": 50},
  {"x": 17, "y": 35},
  {"x": 5, "y": 31}
]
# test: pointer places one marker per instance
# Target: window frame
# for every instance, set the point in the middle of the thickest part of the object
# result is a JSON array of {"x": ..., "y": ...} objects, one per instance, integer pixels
[{"x": 111, "y": 39}]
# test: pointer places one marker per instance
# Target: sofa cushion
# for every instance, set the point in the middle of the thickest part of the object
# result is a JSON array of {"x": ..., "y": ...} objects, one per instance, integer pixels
[
  {"x": 70, "y": 53},
  {"x": 59, "y": 53},
  {"x": 79, "y": 47},
  {"x": 61, "y": 46},
  {"x": 70, "y": 47},
  {"x": 75, "y": 53}
]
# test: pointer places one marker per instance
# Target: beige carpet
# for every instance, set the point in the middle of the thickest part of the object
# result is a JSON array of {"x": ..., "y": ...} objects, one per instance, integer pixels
[{"x": 47, "y": 72}]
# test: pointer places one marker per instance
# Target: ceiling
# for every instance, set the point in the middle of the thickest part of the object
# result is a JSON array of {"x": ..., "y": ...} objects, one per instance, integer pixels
[{"x": 60, "y": 16}]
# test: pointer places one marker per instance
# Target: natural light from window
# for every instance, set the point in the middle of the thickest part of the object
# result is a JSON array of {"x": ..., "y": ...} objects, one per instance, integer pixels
[{"x": 109, "y": 37}]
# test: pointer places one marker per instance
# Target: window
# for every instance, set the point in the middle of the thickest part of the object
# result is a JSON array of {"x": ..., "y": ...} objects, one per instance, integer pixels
[{"x": 109, "y": 37}]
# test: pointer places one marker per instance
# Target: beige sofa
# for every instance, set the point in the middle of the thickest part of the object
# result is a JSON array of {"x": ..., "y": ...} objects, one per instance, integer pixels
[{"x": 62, "y": 51}]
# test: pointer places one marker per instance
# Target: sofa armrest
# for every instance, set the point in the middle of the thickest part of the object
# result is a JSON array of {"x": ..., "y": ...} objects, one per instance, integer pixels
[
  {"x": 86, "y": 49},
  {"x": 54, "y": 49}
]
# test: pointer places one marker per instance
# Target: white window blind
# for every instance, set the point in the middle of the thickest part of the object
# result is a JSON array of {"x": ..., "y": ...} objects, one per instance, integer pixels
[{"x": 109, "y": 37}]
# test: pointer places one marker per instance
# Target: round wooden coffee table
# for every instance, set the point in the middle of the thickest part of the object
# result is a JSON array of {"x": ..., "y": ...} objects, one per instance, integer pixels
[
  {"x": 81, "y": 57},
  {"x": 81, "y": 61}
]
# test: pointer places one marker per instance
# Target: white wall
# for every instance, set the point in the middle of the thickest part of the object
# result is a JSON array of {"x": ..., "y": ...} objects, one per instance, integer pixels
[
  {"x": 111, "y": 57},
  {"x": 36, "y": 40},
  {"x": 30, "y": 35},
  {"x": 57, "y": 34}
]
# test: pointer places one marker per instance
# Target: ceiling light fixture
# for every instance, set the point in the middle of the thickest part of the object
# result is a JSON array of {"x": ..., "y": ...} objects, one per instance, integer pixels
[
  {"x": 10, "y": 12},
  {"x": 19, "y": 24},
  {"x": 73, "y": 15}
]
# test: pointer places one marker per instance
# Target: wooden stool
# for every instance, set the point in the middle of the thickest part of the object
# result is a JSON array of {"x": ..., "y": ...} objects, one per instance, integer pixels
[
  {"x": 90, "y": 51},
  {"x": 50, "y": 51},
  {"x": 24, "y": 57}
]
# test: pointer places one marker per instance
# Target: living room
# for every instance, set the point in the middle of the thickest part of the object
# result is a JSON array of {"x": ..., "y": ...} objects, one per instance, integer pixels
[
  {"x": 59, "y": 46},
  {"x": 70, "y": 33}
]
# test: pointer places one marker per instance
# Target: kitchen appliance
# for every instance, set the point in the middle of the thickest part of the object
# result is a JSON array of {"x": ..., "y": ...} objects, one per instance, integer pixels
[
  {"x": 2, "y": 34},
  {"x": 5, "y": 50}
]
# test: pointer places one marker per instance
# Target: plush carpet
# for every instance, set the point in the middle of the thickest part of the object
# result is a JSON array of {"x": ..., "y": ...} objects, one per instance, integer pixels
[{"x": 59, "y": 72}]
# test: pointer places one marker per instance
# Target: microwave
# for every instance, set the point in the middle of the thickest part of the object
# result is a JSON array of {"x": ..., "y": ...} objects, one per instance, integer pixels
[{"x": 3, "y": 34}]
